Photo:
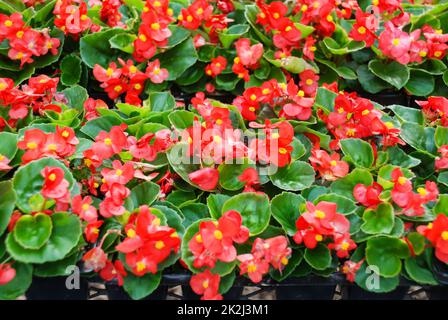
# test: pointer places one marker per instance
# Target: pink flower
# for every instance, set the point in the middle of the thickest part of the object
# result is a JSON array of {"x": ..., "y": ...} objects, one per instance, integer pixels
[
  {"x": 84, "y": 209},
  {"x": 248, "y": 55},
  {"x": 395, "y": 43},
  {"x": 155, "y": 73}
]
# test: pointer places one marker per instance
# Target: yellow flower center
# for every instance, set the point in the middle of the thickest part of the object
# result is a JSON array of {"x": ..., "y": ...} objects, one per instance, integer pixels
[
  {"x": 52, "y": 147},
  {"x": 276, "y": 15},
  {"x": 65, "y": 134},
  {"x": 19, "y": 34},
  {"x": 198, "y": 238},
  {"x": 109, "y": 72},
  {"x": 309, "y": 82},
  {"x": 282, "y": 151},
  {"x": 438, "y": 54},
  {"x": 402, "y": 180},
  {"x": 205, "y": 284},
  {"x": 304, "y": 8},
  {"x": 217, "y": 234},
  {"x": 284, "y": 261},
  {"x": 333, "y": 163},
  {"x": 319, "y": 214},
  {"x": 345, "y": 245},
  {"x": 422, "y": 191},
  {"x": 396, "y": 42},
  {"x": 319, "y": 238},
  {"x": 52, "y": 177},
  {"x": 108, "y": 141},
  {"x": 288, "y": 28},
  {"x": 251, "y": 268},
  {"x": 131, "y": 233},
  {"x": 155, "y": 26},
  {"x": 445, "y": 235},
  {"x": 200, "y": 11},
  {"x": 253, "y": 97},
  {"x": 422, "y": 54},
  {"x": 118, "y": 172},
  {"x": 160, "y": 245},
  {"x": 141, "y": 266},
  {"x": 219, "y": 122},
  {"x": 365, "y": 112},
  {"x": 329, "y": 18},
  {"x": 138, "y": 86},
  {"x": 142, "y": 37},
  {"x": 301, "y": 93},
  {"x": 189, "y": 18},
  {"x": 8, "y": 23},
  {"x": 85, "y": 207},
  {"x": 362, "y": 30},
  {"x": 118, "y": 88}
]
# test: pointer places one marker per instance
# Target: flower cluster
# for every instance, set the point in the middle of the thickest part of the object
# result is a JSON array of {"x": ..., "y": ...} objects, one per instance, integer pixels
[
  {"x": 437, "y": 233},
  {"x": 148, "y": 243},
  {"x": 153, "y": 31},
  {"x": 128, "y": 79},
  {"x": 265, "y": 252},
  {"x": 320, "y": 222},
  {"x": 411, "y": 203},
  {"x": 206, "y": 284},
  {"x": 36, "y": 96},
  {"x": 329, "y": 167},
  {"x": 71, "y": 17},
  {"x": 24, "y": 42},
  {"x": 55, "y": 187},
  {"x": 39, "y": 144},
  {"x": 356, "y": 117},
  {"x": 435, "y": 110},
  {"x": 215, "y": 240},
  {"x": 247, "y": 58}
]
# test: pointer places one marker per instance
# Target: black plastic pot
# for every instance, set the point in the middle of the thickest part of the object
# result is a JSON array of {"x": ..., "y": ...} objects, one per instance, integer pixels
[
  {"x": 55, "y": 289},
  {"x": 306, "y": 292},
  {"x": 440, "y": 272},
  {"x": 387, "y": 98},
  {"x": 357, "y": 293},
  {"x": 115, "y": 292}
]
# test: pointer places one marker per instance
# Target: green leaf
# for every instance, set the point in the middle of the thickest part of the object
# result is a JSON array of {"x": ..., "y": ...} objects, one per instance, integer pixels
[
  {"x": 123, "y": 42},
  {"x": 285, "y": 209},
  {"x": 93, "y": 127},
  {"x": 233, "y": 33},
  {"x": 180, "y": 197},
  {"x": 445, "y": 77},
  {"x": 417, "y": 241},
  {"x": 70, "y": 70},
  {"x": 441, "y": 136},
  {"x": 319, "y": 258},
  {"x": 292, "y": 64},
  {"x": 96, "y": 49},
  {"x": 56, "y": 268},
  {"x": 253, "y": 207},
  {"x": 369, "y": 280},
  {"x": 380, "y": 220},
  {"x": 178, "y": 59},
  {"x": 76, "y": 97},
  {"x": 431, "y": 66},
  {"x": 369, "y": 81},
  {"x": 337, "y": 49},
  {"x": 7, "y": 204},
  {"x": 215, "y": 202},
  {"x": 182, "y": 119},
  {"x": 420, "y": 83},
  {"x": 194, "y": 212},
  {"x": 359, "y": 151},
  {"x": 33, "y": 232},
  {"x": 28, "y": 181},
  {"x": 386, "y": 253},
  {"x": 443, "y": 178},
  {"x": 229, "y": 173},
  {"x": 161, "y": 101},
  {"x": 296, "y": 176},
  {"x": 345, "y": 185},
  {"x": 441, "y": 205},
  {"x": 64, "y": 237},
  {"x": 325, "y": 99},
  {"x": 405, "y": 114},
  {"x": 144, "y": 194},
  {"x": 344, "y": 205},
  {"x": 178, "y": 34},
  {"x": 419, "y": 137},
  {"x": 220, "y": 268},
  {"x": 343, "y": 71},
  {"x": 400, "y": 158},
  {"x": 393, "y": 72},
  {"x": 418, "y": 271},
  {"x": 141, "y": 287},
  {"x": 20, "y": 284}
]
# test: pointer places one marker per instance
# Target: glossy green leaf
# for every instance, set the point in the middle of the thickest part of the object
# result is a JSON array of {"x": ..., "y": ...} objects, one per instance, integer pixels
[
  {"x": 359, "y": 151},
  {"x": 380, "y": 220},
  {"x": 393, "y": 72},
  {"x": 32, "y": 232},
  {"x": 253, "y": 207},
  {"x": 319, "y": 258},
  {"x": 285, "y": 209},
  {"x": 296, "y": 176},
  {"x": 7, "y": 204},
  {"x": 141, "y": 287}
]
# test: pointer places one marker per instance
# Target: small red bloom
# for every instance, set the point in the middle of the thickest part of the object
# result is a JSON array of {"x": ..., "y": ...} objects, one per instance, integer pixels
[
  {"x": 437, "y": 233},
  {"x": 330, "y": 167},
  {"x": 216, "y": 67},
  {"x": 92, "y": 231},
  {"x": 84, "y": 209},
  {"x": 206, "y": 178},
  {"x": 55, "y": 186},
  {"x": 113, "y": 270},
  {"x": 248, "y": 55},
  {"x": 95, "y": 259},
  {"x": 368, "y": 196},
  {"x": 207, "y": 285},
  {"x": 7, "y": 273},
  {"x": 350, "y": 268},
  {"x": 155, "y": 73}
]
